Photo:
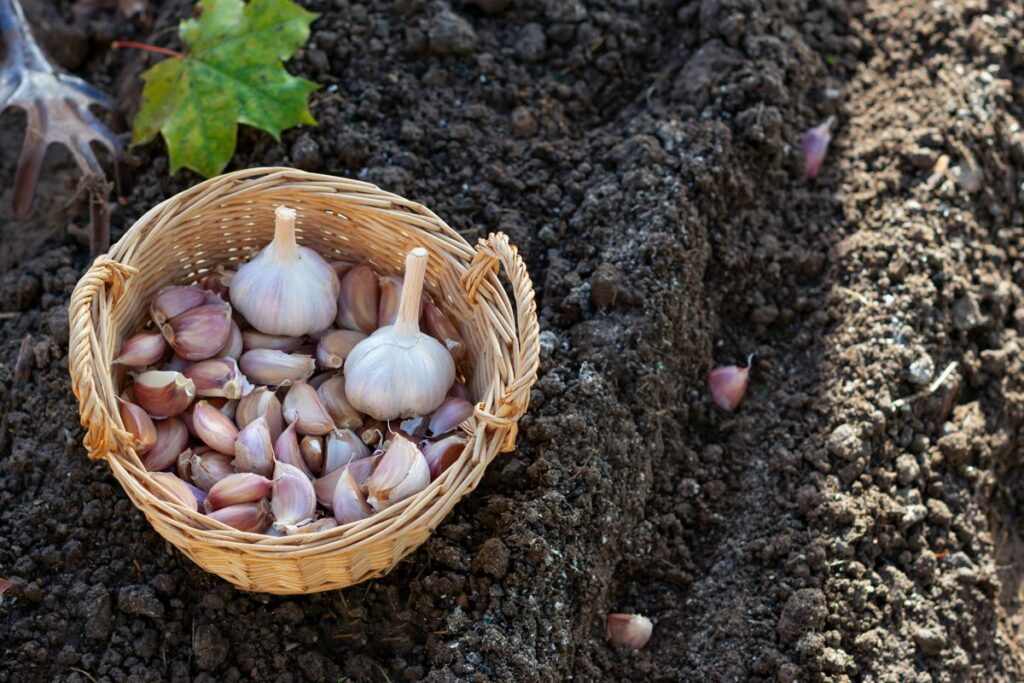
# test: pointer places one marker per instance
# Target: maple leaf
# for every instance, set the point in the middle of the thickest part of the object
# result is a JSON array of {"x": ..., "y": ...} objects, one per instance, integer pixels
[{"x": 232, "y": 73}]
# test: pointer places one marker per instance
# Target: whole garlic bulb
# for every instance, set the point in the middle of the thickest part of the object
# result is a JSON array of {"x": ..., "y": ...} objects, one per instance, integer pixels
[
  {"x": 286, "y": 289},
  {"x": 398, "y": 371}
]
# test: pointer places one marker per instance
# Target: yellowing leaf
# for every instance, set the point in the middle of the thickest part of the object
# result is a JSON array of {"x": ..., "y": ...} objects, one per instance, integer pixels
[{"x": 231, "y": 74}]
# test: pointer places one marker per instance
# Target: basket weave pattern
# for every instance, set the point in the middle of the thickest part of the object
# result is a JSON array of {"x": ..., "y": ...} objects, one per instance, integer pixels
[{"x": 222, "y": 222}]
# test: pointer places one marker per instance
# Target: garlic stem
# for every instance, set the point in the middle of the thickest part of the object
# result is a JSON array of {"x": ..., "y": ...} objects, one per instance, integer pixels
[
  {"x": 408, "y": 322},
  {"x": 286, "y": 250}
]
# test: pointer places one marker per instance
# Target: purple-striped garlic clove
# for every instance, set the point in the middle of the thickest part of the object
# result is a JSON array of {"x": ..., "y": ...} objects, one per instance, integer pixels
[
  {"x": 441, "y": 455},
  {"x": 163, "y": 393},
  {"x": 451, "y": 413},
  {"x": 206, "y": 469},
  {"x": 312, "y": 448},
  {"x": 139, "y": 424},
  {"x": 254, "y": 451},
  {"x": 348, "y": 502},
  {"x": 234, "y": 489},
  {"x": 343, "y": 446},
  {"x": 250, "y": 517},
  {"x": 199, "y": 333},
  {"x": 288, "y": 450},
  {"x": 628, "y": 630},
  {"x": 261, "y": 402},
  {"x": 390, "y": 295},
  {"x": 332, "y": 396},
  {"x": 293, "y": 500},
  {"x": 359, "y": 300},
  {"x": 171, "y": 440},
  {"x": 302, "y": 406},
  {"x": 814, "y": 146},
  {"x": 440, "y": 327},
  {"x": 459, "y": 390},
  {"x": 214, "y": 428},
  {"x": 275, "y": 368},
  {"x": 401, "y": 473},
  {"x": 217, "y": 377},
  {"x": 233, "y": 347},
  {"x": 174, "y": 300},
  {"x": 180, "y": 491},
  {"x": 142, "y": 350},
  {"x": 361, "y": 470},
  {"x": 334, "y": 347},
  {"x": 254, "y": 339}
]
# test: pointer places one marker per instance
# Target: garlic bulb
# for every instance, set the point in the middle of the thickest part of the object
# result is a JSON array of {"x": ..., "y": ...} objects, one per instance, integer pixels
[
  {"x": 286, "y": 289},
  {"x": 398, "y": 371}
]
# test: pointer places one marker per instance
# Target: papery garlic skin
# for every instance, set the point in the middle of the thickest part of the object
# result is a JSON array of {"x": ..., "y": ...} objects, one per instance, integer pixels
[
  {"x": 398, "y": 371},
  {"x": 286, "y": 289},
  {"x": 628, "y": 630}
]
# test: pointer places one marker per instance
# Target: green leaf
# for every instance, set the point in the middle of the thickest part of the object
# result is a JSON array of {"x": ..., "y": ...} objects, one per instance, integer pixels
[{"x": 232, "y": 73}]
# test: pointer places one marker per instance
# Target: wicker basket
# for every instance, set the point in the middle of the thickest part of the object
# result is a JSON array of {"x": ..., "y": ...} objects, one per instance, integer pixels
[{"x": 222, "y": 222}]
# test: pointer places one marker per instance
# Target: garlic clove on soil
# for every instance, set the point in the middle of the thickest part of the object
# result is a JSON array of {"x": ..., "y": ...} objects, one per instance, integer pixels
[
  {"x": 286, "y": 289},
  {"x": 628, "y": 630},
  {"x": 173, "y": 300},
  {"x": 275, "y": 368},
  {"x": 814, "y": 145},
  {"x": 243, "y": 487},
  {"x": 142, "y": 350},
  {"x": 199, "y": 333},
  {"x": 251, "y": 517},
  {"x": 217, "y": 377},
  {"x": 359, "y": 299},
  {"x": 171, "y": 440},
  {"x": 334, "y": 347},
  {"x": 332, "y": 396},
  {"x": 398, "y": 371},
  {"x": 728, "y": 384},
  {"x": 401, "y": 472},
  {"x": 302, "y": 406},
  {"x": 293, "y": 500},
  {"x": 163, "y": 393},
  {"x": 253, "y": 449},
  {"x": 139, "y": 424},
  {"x": 214, "y": 428}
]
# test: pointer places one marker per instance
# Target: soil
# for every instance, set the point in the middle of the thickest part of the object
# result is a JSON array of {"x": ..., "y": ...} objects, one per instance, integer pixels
[{"x": 859, "y": 517}]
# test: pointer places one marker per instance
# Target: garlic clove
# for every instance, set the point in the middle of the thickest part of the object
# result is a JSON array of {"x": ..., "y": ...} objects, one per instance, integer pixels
[
  {"x": 254, "y": 451},
  {"x": 140, "y": 425},
  {"x": 343, "y": 446},
  {"x": 142, "y": 350},
  {"x": 174, "y": 300},
  {"x": 440, "y": 327},
  {"x": 312, "y": 448},
  {"x": 332, "y": 396},
  {"x": 214, "y": 428},
  {"x": 286, "y": 289},
  {"x": 342, "y": 267},
  {"x": 175, "y": 363},
  {"x": 451, "y": 413},
  {"x": 324, "y": 486},
  {"x": 288, "y": 450},
  {"x": 275, "y": 368},
  {"x": 459, "y": 390},
  {"x": 233, "y": 348},
  {"x": 293, "y": 500},
  {"x": 728, "y": 384},
  {"x": 261, "y": 402},
  {"x": 347, "y": 500},
  {"x": 217, "y": 377},
  {"x": 208, "y": 468},
  {"x": 302, "y": 406},
  {"x": 361, "y": 470},
  {"x": 371, "y": 432},
  {"x": 181, "y": 492},
  {"x": 814, "y": 145},
  {"x": 398, "y": 371},
  {"x": 316, "y": 380},
  {"x": 254, "y": 339},
  {"x": 334, "y": 347},
  {"x": 250, "y": 517},
  {"x": 171, "y": 440},
  {"x": 441, "y": 455},
  {"x": 359, "y": 300},
  {"x": 199, "y": 333},
  {"x": 628, "y": 630},
  {"x": 390, "y": 295},
  {"x": 162, "y": 393},
  {"x": 244, "y": 487},
  {"x": 402, "y": 472}
]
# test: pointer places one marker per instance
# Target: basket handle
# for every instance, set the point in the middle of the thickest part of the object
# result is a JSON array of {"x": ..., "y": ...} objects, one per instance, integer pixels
[
  {"x": 97, "y": 292},
  {"x": 490, "y": 253}
]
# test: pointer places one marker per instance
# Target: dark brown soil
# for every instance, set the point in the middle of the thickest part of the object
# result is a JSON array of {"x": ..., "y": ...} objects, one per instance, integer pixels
[{"x": 860, "y": 517}]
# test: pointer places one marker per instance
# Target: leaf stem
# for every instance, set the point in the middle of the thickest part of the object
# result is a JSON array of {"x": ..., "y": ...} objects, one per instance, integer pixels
[{"x": 119, "y": 44}]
